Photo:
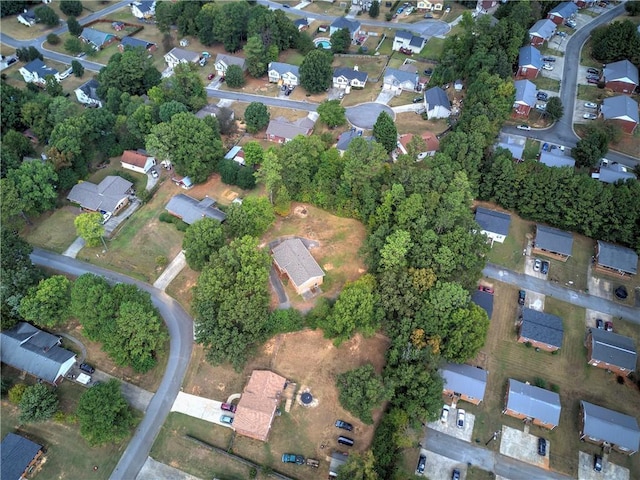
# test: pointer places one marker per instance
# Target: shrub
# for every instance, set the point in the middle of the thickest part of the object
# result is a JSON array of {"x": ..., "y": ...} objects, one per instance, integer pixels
[
  {"x": 161, "y": 261},
  {"x": 53, "y": 39},
  {"x": 285, "y": 321},
  {"x": 16, "y": 393},
  {"x": 555, "y": 388},
  {"x": 540, "y": 382},
  {"x": 527, "y": 344},
  {"x": 166, "y": 217}
]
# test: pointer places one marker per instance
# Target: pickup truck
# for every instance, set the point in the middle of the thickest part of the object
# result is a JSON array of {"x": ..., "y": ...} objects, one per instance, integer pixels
[{"x": 292, "y": 458}]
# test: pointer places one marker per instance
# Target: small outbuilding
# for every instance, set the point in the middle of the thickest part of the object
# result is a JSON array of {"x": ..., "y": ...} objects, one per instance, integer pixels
[{"x": 292, "y": 258}]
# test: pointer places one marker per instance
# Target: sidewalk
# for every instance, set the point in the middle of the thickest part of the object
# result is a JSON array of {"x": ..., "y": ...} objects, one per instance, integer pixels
[
  {"x": 73, "y": 249},
  {"x": 171, "y": 272}
]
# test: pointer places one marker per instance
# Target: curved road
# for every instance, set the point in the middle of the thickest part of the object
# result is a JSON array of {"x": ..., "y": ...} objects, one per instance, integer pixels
[{"x": 180, "y": 327}]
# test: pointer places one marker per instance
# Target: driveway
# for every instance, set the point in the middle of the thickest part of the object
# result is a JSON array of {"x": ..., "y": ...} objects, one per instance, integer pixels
[
  {"x": 200, "y": 407},
  {"x": 364, "y": 116},
  {"x": 153, "y": 470}
]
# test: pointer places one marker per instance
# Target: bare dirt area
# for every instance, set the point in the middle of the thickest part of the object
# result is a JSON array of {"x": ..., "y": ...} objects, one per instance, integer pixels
[{"x": 215, "y": 188}]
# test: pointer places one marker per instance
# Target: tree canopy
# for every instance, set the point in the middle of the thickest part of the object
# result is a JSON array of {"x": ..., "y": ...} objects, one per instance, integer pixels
[
  {"x": 256, "y": 116},
  {"x": 361, "y": 390},
  {"x": 104, "y": 414},
  {"x": 316, "y": 72},
  {"x": 130, "y": 71},
  {"x": 253, "y": 217},
  {"x": 341, "y": 41},
  {"x": 47, "y": 305},
  {"x": 234, "y": 76},
  {"x": 201, "y": 239},
  {"x": 89, "y": 227},
  {"x": 38, "y": 403},
  {"x": 385, "y": 132},
  {"x": 332, "y": 113}
]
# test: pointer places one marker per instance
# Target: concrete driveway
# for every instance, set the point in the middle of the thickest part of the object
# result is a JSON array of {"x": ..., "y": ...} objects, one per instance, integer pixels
[
  {"x": 153, "y": 470},
  {"x": 523, "y": 446},
  {"x": 439, "y": 467},
  {"x": 610, "y": 471},
  {"x": 450, "y": 428},
  {"x": 364, "y": 116},
  {"x": 200, "y": 407}
]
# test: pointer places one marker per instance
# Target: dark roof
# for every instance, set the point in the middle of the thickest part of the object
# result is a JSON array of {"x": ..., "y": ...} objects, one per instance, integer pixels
[
  {"x": 416, "y": 41},
  {"x": 283, "y": 68},
  {"x": 619, "y": 258},
  {"x": 350, "y": 74},
  {"x": 192, "y": 210},
  {"x": 145, "y": 5},
  {"x": 493, "y": 221},
  {"x": 465, "y": 379},
  {"x": 229, "y": 60},
  {"x": 484, "y": 300},
  {"x": 95, "y": 37},
  {"x": 542, "y": 327},
  {"x": 610, "y": 426},
  {"x": 136, "y": 42},
  {"x": 102, "y": 197},
  {"x": 90, "y": 89},
  {"x": 38, "y": 66},
  {"x": 534, "y": 402},
  {"x": 301, "y": 22},
  {"x": 552, "y": 159},
  {"x": 208, "y": 110},
  {"x": 337, "y": 460},
  {"x": 613, "y": 349},
  {"x": 437, "y": 97},
  {"x": 347, "y": 137},
  {"x": 292, "y": 256},
  {"x": 342, "y": 22},
  {"x": 530, "y": 57},
  {"x": 554, "y": 240},
  {"x": 17, "y": 453}
]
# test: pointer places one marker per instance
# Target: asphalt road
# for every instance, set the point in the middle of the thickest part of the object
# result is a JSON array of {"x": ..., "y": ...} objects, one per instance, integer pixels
[
  {"x": 271, "y": 101},
  {"x": 180, "y": 327}
]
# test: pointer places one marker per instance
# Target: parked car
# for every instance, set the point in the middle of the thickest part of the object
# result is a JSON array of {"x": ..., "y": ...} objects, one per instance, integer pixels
[
  {"x": 344, "y": 425},
  {"x": 521, "y": 297},
  {"x": 460, "y": 420},
  {"x": 593, "y": 71},
  {"x": 590, "y": 116},
  {"x": 447, "y": 10},
  {"x": 599, "y": 323},
  {"x": 545, "y": 268},
  {"x": 537, "y": 264},
  {"x": 85, "y": 367},
  {"x": 417, "y": 99},
  {"x": 444, "y": 415},
  {"x": 542, "y": 96},
  {"x": 406, "y": 51},
  {"x": 226, "y": 419},
  {"x": 592, "y": 80},
  {"x": 561, "y": 34},
  {"x": 590, "y": 105},
  {"x": 288, "y": 92},
  {"x": 608, "y": 326},
  {"x": 592, "y": 76},
  {"x": 422, "y": 461},
  {"x": 547, "y": 66},
  {"x": 541, "y": 107},
  {"x": 456, "y": 474},
  {"x": 229, "y": 407},
  {"x": 545, "y": 147},
  {"x": 428, "y": 15},
  {"x": 484, "y": 288},
  {"x": 154, "y": 173},
  {"x": 211, "y": 76},
  {"x": 597, "y": 463},
  {"x": 524, "y": 126},
  {"x": 283, "y": 88},
  {"x": 292, "y": 458},
  {"x": 542, "y": 447},
  {"x": 571, "y": 23},
  {"x": 106, "y": 217},
  {"x": 548, "y": 59}
]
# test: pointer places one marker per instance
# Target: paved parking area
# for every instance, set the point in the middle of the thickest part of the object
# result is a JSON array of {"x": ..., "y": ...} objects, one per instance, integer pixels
[
  {"x": 438, "y": 467},
  {"x": 200, "y": 407},
  {"x": 450, "y": 427},
  {"x": 523, "y": 446},
  {"x": 591, "y": 316},
  {"x": 610, "y": 471}
]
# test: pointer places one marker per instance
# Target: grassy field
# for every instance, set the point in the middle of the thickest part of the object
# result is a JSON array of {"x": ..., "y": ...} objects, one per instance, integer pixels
[
  {"x": 531, "y": 149},
  {"x": 573, "y": 272},
  {"x": 53, "y": 230},
  {"x": 411, "y": 123},
  {"x": 543, "y": 83},
  {"x": 509, "y": 253},
  {"x": 374, "y": 66},
  {"x": 404, "y": 98}
]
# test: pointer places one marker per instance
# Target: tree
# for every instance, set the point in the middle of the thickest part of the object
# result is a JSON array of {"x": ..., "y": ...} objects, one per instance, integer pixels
[
  {"x": 591, "y": 148},
  {"x": 53, "y": 39},
  {"x": 316, "y": 72},
  {"x": 169, "y": 109},
  {"x": 130, "y": 71},
  {"x": 52, "y": 87},
  {"x": 38, "y": 403},
  {"x": 75, "y": 29},
  {"x": 256, "y": 117},
  {"x": 201, "y": 239},
  {"x": 71, "y": 7},
  {"x": 361, "y": 390},
  {"x": 359, "y": 466},
  {"x": 230, "y": 25},
  {"x": 252, "y": 217},
  {"x": 256, "y": 55},
  {"x": 184, "y": 86},
  {"x": 73, "y": 45},
  {"x": 89, "y": 227},
  {"x": 234, "y": 76},
  {"x": 332, "y": 113},
  {"x": 374, "y": 9},
  {"x": 341, "y": 41},
  {"x": 555, "y": 110},
  {"x": 94, "y": 305},
  {"x": 46, "y": 15},
  {"x": 253, "y": 153},
  {"x": 47, "y": 305},
  {"x": 36, "y": 182},
  {"x": 104, "y": 414},
  {"x": 616, "y": 41},
  {"x": 305, "y": 43},
  {"x": 27, "y": 54},
  {"x": 632, "y": 8},
  {"x": 166, "y": 15},
  {"x": 17, "y": 392},
  {"x": 385, "y": 132},
  {"x": 77, "y": 68}
]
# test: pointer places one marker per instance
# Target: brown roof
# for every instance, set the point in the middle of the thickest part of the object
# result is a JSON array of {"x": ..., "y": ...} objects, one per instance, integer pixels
[
  {"x": 134, "y": 158},
  {"x": 429, "y": 138},
  {"x": 258, "y": 404}
]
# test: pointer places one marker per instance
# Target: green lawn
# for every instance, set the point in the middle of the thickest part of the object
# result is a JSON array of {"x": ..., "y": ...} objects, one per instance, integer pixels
[
  {"x": 531, "y": 149},
  {"x": 53, "y": 231},
  {"x": 433, "y": 49},
  {"x": 509, "y": 253},
  {"x": 573, "y": 272},
  {"x": 591, "y": 93},
  {"x": 543, "y": 83}
]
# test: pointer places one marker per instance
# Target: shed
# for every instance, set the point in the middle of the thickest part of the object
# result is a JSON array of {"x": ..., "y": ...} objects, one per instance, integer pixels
[
  {"x": 293, "y": 259},
  {"x": 616, "y": 259},
  {"x": 467, "y": 382},
  {"x": 553, "y": 243},
  {"x": 540, "y": 406},
  {"x": 602, "y": 426}
]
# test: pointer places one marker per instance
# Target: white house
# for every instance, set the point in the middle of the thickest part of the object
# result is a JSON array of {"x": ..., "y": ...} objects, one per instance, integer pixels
[
  {"x": 493, "y": 224},
  {"x": 179, "y": 55},
  {"x": 28, "y": 18},
  {"x": 137, "y": 160},
  {"x": 87, "y": 93},
  {"x": 396, "y": 81},
  {"x": 35, "y": 72},
  {"x": 284, "y": 73},
  {"x": 345, "y": 78},
  {"x": 407, "y": 41},
  {"x": 143, "y": 9},
  {"x": 437, "y": 5},
  {"x": 225, "y": 61},
  {"x": 437, "y": 103}
]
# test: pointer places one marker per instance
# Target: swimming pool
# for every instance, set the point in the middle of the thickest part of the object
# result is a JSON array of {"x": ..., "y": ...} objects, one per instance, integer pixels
[{"x": 326, "y": 44}]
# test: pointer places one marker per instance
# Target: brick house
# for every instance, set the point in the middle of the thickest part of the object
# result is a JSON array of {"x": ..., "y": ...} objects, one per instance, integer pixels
[
  {"x": 608, "y": 428},
  {"x": 465, "y": 382},
  {"x": 529, "y": 62},
  {"x": 552, "y": 242},
  {"x": 621, "y": 77},
  {"x": 621, "y": 110},
  {"x": 532, "y": 404},
  {"x": 611, "y": 352},
  {"x": 292, "y": 258},
  {"x": 525, "y": 97},
  {"x": 562, "y": 12},
  {"x": 542, "y": 330},
  {"x": 615, "y": 260},
  {"x": 541, "y": 32}
]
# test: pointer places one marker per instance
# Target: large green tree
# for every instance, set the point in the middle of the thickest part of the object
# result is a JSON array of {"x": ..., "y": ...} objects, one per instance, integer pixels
[
  {"x": 256, "y": 116},
  {"x": 616, "y": 41},
  {"x": 104, "y": 414},
  {"x": 38, "y": 403},
  {"x": 201, "y": 239},
  {"x": 89, "y": 227},
  {"x": 130, "y": 71},
  {"x": 75, "y": 29},
  {"x": 554, "y": 110},
  {"x": 234, "y": 76},
  {"x": 361, "y": 390},
  {"x": 341, "y": 41},
  {"x": 359, "y": 466},
  {"x": 316, "y": 72},
  {"x": 94, "y": 305},
  {"x": 47, "y": 15},
  {"x": 253, "y": 217},
  {"x": 332, "y": 113},
  {"x": 374, "y": 9},
  {"x": 591, "y": 148},
  {"x": 47, "y": 305},
  {"x": 184, "y": 86},
  {"x": 385, "y": 132},
  {"x": 36, "y": 184},
  {"x": 71, "y": 7}
]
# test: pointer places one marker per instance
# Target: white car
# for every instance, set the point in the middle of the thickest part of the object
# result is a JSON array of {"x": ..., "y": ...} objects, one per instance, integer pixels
[
  {"x": 524, "y": 126},
  {"x": 445, "y": 414},
  {"x": 460, "y": 420},
  {"x": 546, "y": 66},
  {"x": 106, "y": 217},
  {"x": 590, "y": 105},
  {"x": 537, "y": 264},
  {"x": 589, "y": 116}
]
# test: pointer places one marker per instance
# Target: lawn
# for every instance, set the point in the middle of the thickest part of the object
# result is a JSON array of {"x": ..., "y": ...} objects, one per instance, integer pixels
[
  {"x": 409, "y": 122},
  {"x": 573, "y": 272},
  {"x": 591, "y": 93},
  {"x": 544, "y": 83},
  {"x": 531, "y": 149},
  {"x": 374, "y": 66},
  {"x": 53, "y": 230},
  {"x": 433, "y": 49},
  {"x": 358, "y": 96},
  {"x": 404, "y": 98},
  {"x": 509, "y": 253}
]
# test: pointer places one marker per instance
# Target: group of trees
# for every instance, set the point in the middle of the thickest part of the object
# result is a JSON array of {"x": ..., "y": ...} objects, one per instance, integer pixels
[{"x": 616, "y": 41}]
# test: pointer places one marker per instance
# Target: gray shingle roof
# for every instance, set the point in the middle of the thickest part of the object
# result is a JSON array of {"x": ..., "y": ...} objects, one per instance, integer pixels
[
  {"x": 613, "y": 349},
  {"x": 283, "y": 68},
  {"x": 622, "y": 71},
  {"x": 186, "y": 55},
  {"x": 542, "y": 327},
  {"x": 281, "y": 127},
  {"x": 534, "y": 402},
  {"x": 614, "y": 172},
  {"x": 465, "y": 379},
  {"x": 484, "y": 300},
  {"x": 350, "y": 74},
  {"x": 437, "y": 97},
  {"x": 399, "y": 76},
  {"x": 90, "y": 89},
  {"x": 292, "y": 256},
  {"x": 102, "y": 197},
  {"x": 525, "y": 92},
  {"x": 530, "y": 57},
  {"x": 192, "y": 210},
  {"x": 95, "y": 37},
  {"x": 17, "y": 453},
  {"x": 231, "y": 60},
  {"x": 551, "y": 159},
  {"x": 610, "y": 426},
  {"x": 493, "y": 221},
  {"x": 564, "y": 10},
  {"x": 517, "y": 150},
  {"x": 617, "y": 257},
  {"x": 38, "y": 66},
  {"x": 342, "y": 22},
  {"x": 621, "y": 108},
  {"x": 136, "y": 42},
  {"x": 34, "y": 351},
  {"x": 543, "y": 28},
  {"x": 554, "y": 240},
  {"x": 347, "y": 137}
]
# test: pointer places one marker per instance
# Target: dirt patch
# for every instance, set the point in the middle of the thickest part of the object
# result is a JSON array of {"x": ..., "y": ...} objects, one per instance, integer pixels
[{"x": 215, "y": 188}]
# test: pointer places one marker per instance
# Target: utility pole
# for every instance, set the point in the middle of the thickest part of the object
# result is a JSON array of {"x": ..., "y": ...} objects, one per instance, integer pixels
[{"x": 493, "y": 437}]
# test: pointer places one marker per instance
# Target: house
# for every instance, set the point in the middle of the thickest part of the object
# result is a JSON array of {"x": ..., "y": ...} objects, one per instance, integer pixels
[
  {"x": 292, "y": 258},
  {"x": 138, "y": 161},
  {"x": 621, "y": 77},
  {"x": 19, "y": 456},
  {"x": 35, "y": 72},
  {"x": 190, "y": 210},
  {"x": 281, "y": 130},
  {"x": 621, "y": 110},
  {"x": 552, "y": 242},
  {"x": 541, "y": 32},
  {"x": 431, "y": 145},
  {"x": 144, "y": 9},
  {"x": 258, "y": 403},
  {"x": 484, "y": 5},
  {"x": 87, "y": 93},
  {"x": 284, "y": 74},
  {"x": 532, "y": 404},
  {"x": 27, "y": 17},
  {"x": 525, "y": 97},
  {"x": 345, "y": 139},
  {"x": 132, "y": 42},
  {"x": 609, "y": 428},
  {"x": 562, "y": 12},
  {"x": 236, "y": 154},
  {"x": 610, "y": 351},
  {"x": 612, "y": 172},
  {"x": 407, "y": 41},
  {"x": 36, "y": 352},
  {"x": 541, "y": 330},
  {"x": 179, "y": 55},
  {"x": 493, "y": 224},
  {"x": 437, "y": 103},
  {"x": 529, "y": 62},
  {"x": 341, "y": 22},
  {"x": 301, "y": 24},
  {"x": 345, "y": 78},
  {"x": 614, "y": 259},
  {"x": 436, "y": 5},
  {"x": 484, "y": 300},
  {"x": 184, "y": 182},
  {"x": 396, "y": 80},
  {"x": 337, "y": 460},
  {"x": 585, "y": 3},
  {"x": 224, "y": 61},
  {"x": 515, "y": 148},
  {"x": 209, "y": 110},
  {"x": 556, "y": 158},
  {"x": 96, "y": 38},
  {"x": 110, "y": 196},
  {"x": 465, "y": 382}
]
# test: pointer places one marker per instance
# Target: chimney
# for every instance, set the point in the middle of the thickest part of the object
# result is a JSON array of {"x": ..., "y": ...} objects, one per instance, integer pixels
[{"x": 355, "y": 67}]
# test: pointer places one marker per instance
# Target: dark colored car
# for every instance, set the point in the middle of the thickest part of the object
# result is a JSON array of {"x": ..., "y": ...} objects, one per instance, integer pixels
[
  {"x": 597, "y": 463},
  {"x": 344, "y": 425},
  {"x": 456, "y": 474},
  {"x": 11, "y": 61},
  {"x": 428, "y": 71},
  {"x": 621, "y": 292},
  {"x": 229, "y": 407},
  {"x": 593, "y": 71},
  {"x": 548, "y": 59},
  {"x": 521, "y": 296},
  {"x": 542, "y": 447},
  {"x": 85, "y": 367},
  {"x": 592, "y": 80},
  {"x": 608, "y": 326},
  {"x": 417, "y": 99},
  {"x": 599, "y": 323},
  {"x": 345, "y": 441},
  {"x": 542, "y": 96},
  {"x": 292, "y": 458},
  {"x": 288, "y": 92},
  {"x": 545, "y": 268},
  {"x": 421, "y": 464}
]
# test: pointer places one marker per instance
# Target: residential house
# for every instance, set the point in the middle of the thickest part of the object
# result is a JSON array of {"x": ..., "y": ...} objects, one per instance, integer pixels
[
  {"x": 87, "y": 93},
  {"x": 484, "y": 5},
  {"x": 97, "y": 38},
  {"x": 190, "y": 210},
  {"x": 281, "y": 130},
  {"x": 562, "y": 12},
  {"x": 614, "y": 259},
  {"x": 542, "y": 330},
  {"x": 609, "y": 428},
  {"x": 556, "y": 158},
  {"x": 532, "y": 404},
  {"x": 529, "y": 62},
  {"x": 110, "y": 196},
  {"x": 541, "y": 32},
  {"x": 209, "y": 110},
  {"x": 585, "y": 3},
  {"x": 138, "y": 161},
  {"x": 621, "y": 110},
  {"x": 258, "y": 404},
  {"x": 464, "y": 382},
  {"x": 484, "y": 300},
  {"x": 515, "y": 148},
  {"x": 345, "y": 139},
  {"x": 610, "y": 351},
  {"x": 144, "y": 9},
  {"x": 431, "y": 145},
  {"x": 19, "y": 457},
  {"x": 436, "y": 103},
  {"x": 284, "y": 74},
  {"x": 27, "y": 17},
  {"x": 35, "y": 72},
  {"x": 525, "y": 97},
  {"x": 292, "y": 258},
  {"x": 236, "y": 154},
  {"x": 301, "y": 24},
  {"x": 621, "y": 77},
  {"x": 338, "y": 459},
  {"x": 493, "y": 224},
  {"x": 35, "y": 352},
  {"x": 341, "y": 22},
  {"x": 179, "y": 55},
  {"x": 407, "y": 41},
  {"x": 612, "y": 172},
  {"x": 436, "y": 5},
  {"x": 133, "y": 42},
  {"x": 225, "y": 61},
  {"x": 345, "y": 78},
  {"x": 552, "y": 242},
  {"x": 396, "y": 81}
]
